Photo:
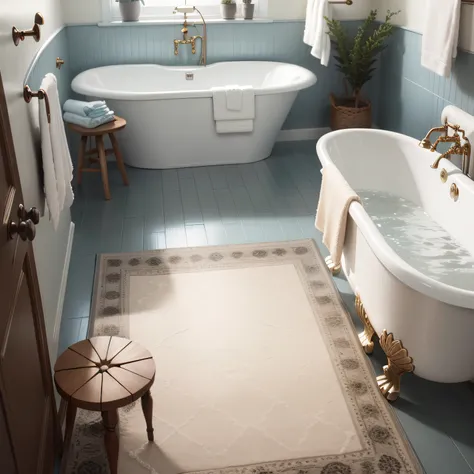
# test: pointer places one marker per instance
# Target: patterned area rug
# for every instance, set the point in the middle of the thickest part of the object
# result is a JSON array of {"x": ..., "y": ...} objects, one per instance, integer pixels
[{"x": 259, "y": 369}]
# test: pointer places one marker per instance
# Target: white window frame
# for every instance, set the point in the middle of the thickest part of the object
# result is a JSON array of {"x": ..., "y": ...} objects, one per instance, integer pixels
[{"x": 111, "y": 13}]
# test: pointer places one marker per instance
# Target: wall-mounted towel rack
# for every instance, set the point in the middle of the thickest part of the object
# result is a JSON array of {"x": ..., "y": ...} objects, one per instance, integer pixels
[
  {"x": 28, "y": 94},
  {"x": 35, "y": 32}
]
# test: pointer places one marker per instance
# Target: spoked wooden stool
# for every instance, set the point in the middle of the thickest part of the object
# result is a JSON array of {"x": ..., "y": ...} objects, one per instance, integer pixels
[
  {"x": 99, "y": 154},
  {"x": 104, "y": 374}
]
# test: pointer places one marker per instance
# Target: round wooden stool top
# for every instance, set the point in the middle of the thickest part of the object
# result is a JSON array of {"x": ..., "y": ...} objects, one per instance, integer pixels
[
  {"x": 110, "y": 127},
  {"x": 104, "y": 373}
]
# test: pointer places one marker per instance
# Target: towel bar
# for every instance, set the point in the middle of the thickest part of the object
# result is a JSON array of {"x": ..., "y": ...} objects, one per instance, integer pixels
[{"x": 28, "y": 94}]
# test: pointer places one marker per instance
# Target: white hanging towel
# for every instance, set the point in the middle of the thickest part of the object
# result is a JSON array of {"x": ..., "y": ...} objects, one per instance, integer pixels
[
  {"x": 57, "y": 164},
  {"x": 333, "y": 209},
  {"x": 234, "y": 126},
  {"x": 234, "y": 109},
  {"x": 235, "y": 98},
  {"x": 315, "y": 33},
  {"x": 225, "y": 100},
  {"x": 441, "y": 35}
]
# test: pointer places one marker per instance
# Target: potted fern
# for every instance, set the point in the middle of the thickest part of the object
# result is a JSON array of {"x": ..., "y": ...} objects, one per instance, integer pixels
[
  {"x": 130, "y": 9},
  {"x": 248, "y": 9},
  {"x": 356, "y": 58},
  {"x": 228, "y": 9}
]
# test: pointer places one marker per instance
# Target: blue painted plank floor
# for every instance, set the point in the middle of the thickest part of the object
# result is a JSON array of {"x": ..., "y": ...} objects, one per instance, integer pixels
[{"x": 267, "y": 201}]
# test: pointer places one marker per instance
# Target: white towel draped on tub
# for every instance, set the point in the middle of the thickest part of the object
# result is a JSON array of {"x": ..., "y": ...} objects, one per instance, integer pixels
[
  {"x": 441, "y": 35},
  {"x": 333, "y": 208},
  {"x": 234, "y": 126},
  {"x": 57, "y": 165},
  {"x": 235, "y": 97},
  {"x": 234, "y": 109},
  {"x": 315, "y": 33}
]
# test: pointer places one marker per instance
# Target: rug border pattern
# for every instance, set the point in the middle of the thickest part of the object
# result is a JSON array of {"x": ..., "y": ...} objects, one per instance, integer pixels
[{"x": 385, "y": 448}]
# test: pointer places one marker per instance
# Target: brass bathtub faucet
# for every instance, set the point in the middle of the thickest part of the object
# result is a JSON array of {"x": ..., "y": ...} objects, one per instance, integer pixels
[
  {"x": 193, "y": 39},
  {"x": 458, "y": 148}
]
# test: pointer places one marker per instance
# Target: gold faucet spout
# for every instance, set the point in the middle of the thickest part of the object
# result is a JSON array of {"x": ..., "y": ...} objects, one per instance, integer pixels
[
  {"x": 454, "y": 150},
  {"x": 457, "y": 149}
]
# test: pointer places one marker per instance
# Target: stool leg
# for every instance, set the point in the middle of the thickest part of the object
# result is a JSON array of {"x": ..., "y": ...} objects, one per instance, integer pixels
[
  {"x": 147, "y": 407},
  {"x": 103, "y": 165},
  {"x": 119, "y": 158},
  {"x": 70, "y": 419},
  {"x": 110, "y": 419},
  {"x": 80, "y": 159}
]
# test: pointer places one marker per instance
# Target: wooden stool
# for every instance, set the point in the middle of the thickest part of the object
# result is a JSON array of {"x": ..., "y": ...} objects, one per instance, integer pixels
[
  {"x": 89, "y": 375},
  {"x": 99, "y": 153}
]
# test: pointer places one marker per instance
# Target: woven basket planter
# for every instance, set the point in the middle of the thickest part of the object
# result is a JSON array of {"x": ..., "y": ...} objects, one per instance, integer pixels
[{"x": 345, "y": 116}]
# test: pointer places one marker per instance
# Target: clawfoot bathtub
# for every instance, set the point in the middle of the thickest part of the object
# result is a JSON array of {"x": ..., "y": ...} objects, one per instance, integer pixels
[{"x": 408, "y": 254}]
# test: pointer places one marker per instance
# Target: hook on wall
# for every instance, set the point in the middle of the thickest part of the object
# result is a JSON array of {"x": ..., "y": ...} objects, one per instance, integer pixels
[{"x": 35, "y": 32}]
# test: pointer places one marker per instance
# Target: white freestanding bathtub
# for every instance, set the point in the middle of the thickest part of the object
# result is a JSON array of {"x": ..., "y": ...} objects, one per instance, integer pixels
[
  {"x": 169, "y": 110},
  {"x": 409, "y": 249}
]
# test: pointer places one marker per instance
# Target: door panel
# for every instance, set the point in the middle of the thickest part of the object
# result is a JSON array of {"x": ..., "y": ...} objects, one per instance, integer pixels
[
  {"x": 7, "y": 462},
  {"x": 28, "y": 419},
  {"x": 25, "y": 390}
]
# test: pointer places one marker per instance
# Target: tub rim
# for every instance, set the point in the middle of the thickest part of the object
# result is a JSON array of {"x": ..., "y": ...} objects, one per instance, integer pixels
[
  {"x": 398, "y": 267},
  {"x": 309, "y": 79}
]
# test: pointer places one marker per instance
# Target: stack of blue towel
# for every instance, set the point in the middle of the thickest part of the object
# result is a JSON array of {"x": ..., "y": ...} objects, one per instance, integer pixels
[{"x": 87, "y": 114}]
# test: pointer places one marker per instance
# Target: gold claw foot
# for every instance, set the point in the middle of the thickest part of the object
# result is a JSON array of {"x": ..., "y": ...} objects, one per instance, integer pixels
[
  {"x": 367, "y": 335},
  {"x": 389, "y": 384},
  {"x": 334, "y": 269},
  {"x": 399, "y": 363}
]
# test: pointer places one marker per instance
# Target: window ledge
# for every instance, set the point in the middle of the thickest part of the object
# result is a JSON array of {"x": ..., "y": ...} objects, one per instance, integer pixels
[{"x": 173, "y": 21}]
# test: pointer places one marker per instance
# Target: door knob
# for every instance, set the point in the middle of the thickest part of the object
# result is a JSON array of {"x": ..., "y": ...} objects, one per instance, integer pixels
[
  {"x": 33, "y": 214},
  {"x": 26, "y": 230}
]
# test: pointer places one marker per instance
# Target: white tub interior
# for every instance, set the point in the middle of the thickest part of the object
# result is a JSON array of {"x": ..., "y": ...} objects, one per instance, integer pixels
[{"x": 418, "y": 239}]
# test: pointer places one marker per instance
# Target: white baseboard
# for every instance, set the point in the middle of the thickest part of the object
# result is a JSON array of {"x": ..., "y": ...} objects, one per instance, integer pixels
[
  {"x": 298, "y": 134},
  {"x": 62, "y": 290}
]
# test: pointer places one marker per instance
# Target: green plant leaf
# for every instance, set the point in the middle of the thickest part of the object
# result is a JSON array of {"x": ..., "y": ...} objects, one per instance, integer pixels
[{"x": 357, "y": 56}]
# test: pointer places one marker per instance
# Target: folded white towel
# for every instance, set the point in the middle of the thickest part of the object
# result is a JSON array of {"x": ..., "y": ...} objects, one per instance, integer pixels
[
  {"x": 84, "y": 109},
  {"x": 333, "y": 208},
  {"x": 441, "y": 35},
  {"x": 234, "y": 97},
  {"x": 222, "y": 110},
  {"x": 315, "y": 34},
  {"x": 57, "y": 164},
  {"x": 88, "y": 122},
  {"x": 234, "y": 126}
]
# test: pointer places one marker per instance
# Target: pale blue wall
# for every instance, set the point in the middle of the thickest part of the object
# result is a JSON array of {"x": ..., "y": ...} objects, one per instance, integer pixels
[
  {"x": 93, "y": 46},
  {"x": 58, "y": 47},
  {"x": 411, "y": 98}
]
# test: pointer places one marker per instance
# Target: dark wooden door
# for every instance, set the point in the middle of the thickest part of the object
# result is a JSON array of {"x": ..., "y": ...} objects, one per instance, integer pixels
[{"x": 29, "y": 434}]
